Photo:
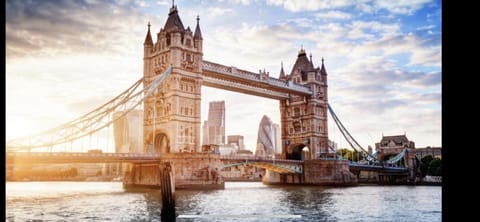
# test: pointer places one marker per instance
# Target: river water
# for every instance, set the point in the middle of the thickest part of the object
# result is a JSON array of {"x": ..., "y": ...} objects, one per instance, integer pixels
[{"x": 239, "y": 201}]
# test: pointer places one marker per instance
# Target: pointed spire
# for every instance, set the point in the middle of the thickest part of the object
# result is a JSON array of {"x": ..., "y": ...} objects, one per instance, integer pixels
[
  {"x": 198, "y": 33},
  {"x": 302, "y": 51},
  {"x": 173, "y": 23},
  {"x": 282, "y": 73},
  {"x": 148, "y": 38},
  {"x": 323, "y": 71}
]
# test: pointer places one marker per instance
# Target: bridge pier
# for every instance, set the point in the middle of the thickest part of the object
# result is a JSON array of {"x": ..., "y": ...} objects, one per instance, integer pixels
[
  {"x": 190, "y": 170},
  {"x": 316, "y": 172}
]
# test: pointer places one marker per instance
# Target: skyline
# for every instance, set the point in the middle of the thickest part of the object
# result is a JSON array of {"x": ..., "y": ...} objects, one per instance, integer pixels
[{"x": 378, "y": 71}]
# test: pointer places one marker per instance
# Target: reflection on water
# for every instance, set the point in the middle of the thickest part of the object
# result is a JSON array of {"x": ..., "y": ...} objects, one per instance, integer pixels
[{"x": 107, "y": 201}]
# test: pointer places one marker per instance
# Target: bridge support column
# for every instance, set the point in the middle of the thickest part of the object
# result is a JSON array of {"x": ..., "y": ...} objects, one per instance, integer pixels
[
  {"x": 328, "y": 172},
  {"x": 273, "y": 178},
  {"x": 190, "y": 170},
  {"x": 316, "y": 172}
]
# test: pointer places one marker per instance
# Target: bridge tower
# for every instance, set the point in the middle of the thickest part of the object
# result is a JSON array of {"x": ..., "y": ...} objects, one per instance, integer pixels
[
  {"x": 172, "y": 115},
  {"x": 304, "y": 118}
]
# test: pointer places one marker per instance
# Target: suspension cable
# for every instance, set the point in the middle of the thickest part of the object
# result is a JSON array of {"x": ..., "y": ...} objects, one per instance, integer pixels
[
  {"x": 353, "y": 143},
  {"x": 92, "y": 121}
]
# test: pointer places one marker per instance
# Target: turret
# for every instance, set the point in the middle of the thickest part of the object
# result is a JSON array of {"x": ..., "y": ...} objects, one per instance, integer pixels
[
  {"x": 197, "y": 37},
  {"x": 147, "y": 49},
  {"x": 282, "y": 73},
  {"x": 148, "y": 43}
]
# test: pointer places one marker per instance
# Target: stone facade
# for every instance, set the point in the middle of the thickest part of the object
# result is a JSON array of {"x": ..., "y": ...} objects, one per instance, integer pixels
[
  {"x": 392, "y": 145},
  {"x": 304, "y": 119},
  {"x": 172, "y": 115}
]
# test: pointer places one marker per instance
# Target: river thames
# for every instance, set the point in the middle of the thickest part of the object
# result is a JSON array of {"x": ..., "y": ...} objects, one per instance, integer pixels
[{"x": 239, "y": 201}]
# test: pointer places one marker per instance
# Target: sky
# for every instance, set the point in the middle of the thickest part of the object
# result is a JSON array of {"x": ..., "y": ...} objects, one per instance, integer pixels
[{"x": 383, "y": 59}]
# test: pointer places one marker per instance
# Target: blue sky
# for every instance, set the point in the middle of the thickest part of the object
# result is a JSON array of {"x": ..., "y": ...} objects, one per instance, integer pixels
[{"x": 383, "y": 58}]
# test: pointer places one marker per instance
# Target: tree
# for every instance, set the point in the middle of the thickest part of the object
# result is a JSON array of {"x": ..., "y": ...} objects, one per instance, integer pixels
[
  {"x": 435, "y": 167},
  {"x": 349, "y": 154},
  {"x": 424, "y": 163}
]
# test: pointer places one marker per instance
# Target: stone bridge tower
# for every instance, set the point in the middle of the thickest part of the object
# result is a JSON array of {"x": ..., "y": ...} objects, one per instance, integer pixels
[
  {"x": 304, "y": 119},
  {"x": 172, "y": 115}
]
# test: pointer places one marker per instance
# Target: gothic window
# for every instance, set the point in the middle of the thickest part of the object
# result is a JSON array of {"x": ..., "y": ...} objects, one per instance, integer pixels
[
  {"x": 296, "y": 111},
  {"x": 168, "y": 39},
  {"x": 297, "y": 126},
  {"x": 189, "y": 43}
]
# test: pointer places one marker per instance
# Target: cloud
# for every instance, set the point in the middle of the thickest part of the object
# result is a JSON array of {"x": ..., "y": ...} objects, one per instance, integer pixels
[
  {"x": 407, "y": 7},
  {"x": 309, "y": 5},
  {"x": 333, "y": 15},
  {"x": 50, "y": 27},
  {"x": 216, "y": 11}
]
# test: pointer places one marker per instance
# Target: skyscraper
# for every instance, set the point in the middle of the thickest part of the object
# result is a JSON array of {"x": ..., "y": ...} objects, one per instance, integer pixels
[
  {"x": 277, "y": 138},
  {"x": 214, "y": 127},
  {"x": 128, "y": 133},
  {"x": 236, "y": 139}
]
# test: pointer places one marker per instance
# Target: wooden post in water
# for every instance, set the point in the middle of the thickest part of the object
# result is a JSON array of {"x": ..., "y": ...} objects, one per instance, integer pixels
[{"x": 168, "y": 191}]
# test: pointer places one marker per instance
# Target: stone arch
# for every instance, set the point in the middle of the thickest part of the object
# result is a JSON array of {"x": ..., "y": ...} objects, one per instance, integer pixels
[
  {"x": 161, "y": 143},
  {"x": 294, "y": 151}
]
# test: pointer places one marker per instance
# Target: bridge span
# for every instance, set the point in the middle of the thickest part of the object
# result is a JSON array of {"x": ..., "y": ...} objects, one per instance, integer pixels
[
  {"x": 283, "y": 166},
  {"x": 78, "y": 157}
]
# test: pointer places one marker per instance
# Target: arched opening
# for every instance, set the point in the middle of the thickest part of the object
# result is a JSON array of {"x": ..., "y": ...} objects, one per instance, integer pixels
[
  {"x": 294, "y": 152},
  {"x": 162, "y": 143}
]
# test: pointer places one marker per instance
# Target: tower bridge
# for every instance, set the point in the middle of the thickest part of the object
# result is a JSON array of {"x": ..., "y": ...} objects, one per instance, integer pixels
[{"x": 173, "y": 73}]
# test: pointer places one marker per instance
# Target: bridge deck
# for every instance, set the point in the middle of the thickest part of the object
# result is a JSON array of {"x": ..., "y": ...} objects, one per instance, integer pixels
[{"x": 71, "y": 157}]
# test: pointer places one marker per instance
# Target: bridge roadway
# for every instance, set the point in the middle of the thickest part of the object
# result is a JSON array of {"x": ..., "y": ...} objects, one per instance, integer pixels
[
  {"x": 277, "y": 165},
  {"x": 79, "y": 157}
]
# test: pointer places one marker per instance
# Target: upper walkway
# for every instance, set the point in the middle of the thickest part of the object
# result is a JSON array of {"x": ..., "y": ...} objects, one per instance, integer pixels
[{"x": 238, "y": 80}]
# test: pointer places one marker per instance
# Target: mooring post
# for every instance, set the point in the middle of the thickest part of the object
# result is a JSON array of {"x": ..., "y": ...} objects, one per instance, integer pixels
[{"x": 168, "y": 191}]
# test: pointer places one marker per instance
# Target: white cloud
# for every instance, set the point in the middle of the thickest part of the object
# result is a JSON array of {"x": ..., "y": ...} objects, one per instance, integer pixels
[
  {"x": 309, "y": 5},
  {"x": 401, "y": 6},
  {"x": 216, "y": 11},
  {"x": 368, "y": 6},
  {"x": 163, "y": 2},
  {"x": 333, "y": 15},
  {"x": 243, "y": 2}
]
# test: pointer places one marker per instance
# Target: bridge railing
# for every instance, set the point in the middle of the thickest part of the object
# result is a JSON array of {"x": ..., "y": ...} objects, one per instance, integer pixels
[{"x": 260, "y": 159}]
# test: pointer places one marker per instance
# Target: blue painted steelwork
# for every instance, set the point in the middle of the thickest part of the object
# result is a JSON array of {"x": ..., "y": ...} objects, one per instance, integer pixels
[
  {"x": 387, "y": 169},
  {"x": 280, "y": 166}
]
